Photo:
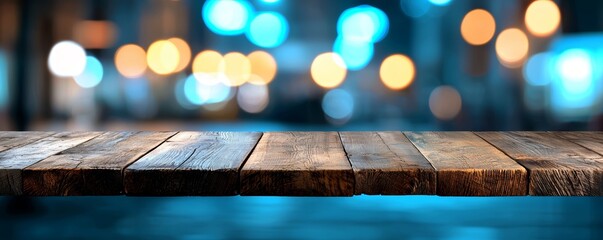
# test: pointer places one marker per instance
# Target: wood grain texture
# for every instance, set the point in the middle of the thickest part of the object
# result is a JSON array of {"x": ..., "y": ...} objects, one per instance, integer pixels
[
  {"x": 590, "y": 140},
  {"x": 14, "y": 160},
  {"x": 298, "y": 164},
  {"x": 466, "y": 165},
  {"x": 192, "y": 163},
  {"x": 10, "y": 140},
  {"x": 387, "y": 163},
  {"x": 557, "y": 167},
  {"x": 92, "y": 168}
]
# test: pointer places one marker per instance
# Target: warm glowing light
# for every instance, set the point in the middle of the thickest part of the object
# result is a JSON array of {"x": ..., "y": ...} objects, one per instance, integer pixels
[
  {"x": 237, "y": 68},
  {"x": 92, "y": 74},
  {"x": 512, "y": 47},
  {"x": 253, "y": 98},
  {"x": 478, "y": 27},
  {"x": 207, "y": 67},
  {"x": 163, "y": 57},
  {"x": 94, "y": 34},
  {"x": 263, "y": 67},
  {"x": 184, "y": 51},
  {"x": 445, "y": 102},
  {"x": 542, "y": 18},
  {"x": 328, "y": 70},
  {"x": 397, "y": 72},
  {"x": 131, "y": 61},
  {"x": 67, "y": 59}
]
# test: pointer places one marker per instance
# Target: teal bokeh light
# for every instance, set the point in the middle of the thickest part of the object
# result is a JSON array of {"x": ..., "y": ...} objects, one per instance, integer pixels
[
  {"x": 227, "y": 17},
  {"x": 92, "y": 75},
  {"x": 355, "y": 54},
  {"x": 338, "y": 104},
  {"x": 363, "y": 24},
  {"x": 268, "y": 30}
]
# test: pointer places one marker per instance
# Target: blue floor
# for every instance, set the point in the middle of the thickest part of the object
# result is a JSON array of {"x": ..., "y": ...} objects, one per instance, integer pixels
[{"x": 360, "y": 217}]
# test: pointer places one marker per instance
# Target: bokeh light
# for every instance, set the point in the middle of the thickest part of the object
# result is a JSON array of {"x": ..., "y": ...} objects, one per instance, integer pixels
[
  {"x": 512, "y": 47},
  {"x": 542, "y": 18},
  {"x": 163, "y": 57},
  {"x": 237, "y": 68},
  {"x": 92, "y": 74},
  {"x": 67, "y": 59},
  {"x": 268, "y": 30},
  {"x": 328, "y": 70},
  {"x": 477, "y": 27},
  {"x": 253, "y": 98},
  {"x": 415, "y": 8},
  {"x": 538, "y": 68},
  {"x": 207, "y": 67},
  {"x": 363, "y": 24},
  {"x": 200, "y": 93},
  {"x": 131, "y": 61},
  {"x": 338, "y": 104},
  {"x": 445, "y": 102},
  {"x": 440, "y": 2},
  {"x": 575, "y": 70},
  {"x": 355, "y": 54},
  {"x": 184, "y": 52},
  {"x": 263, "y": 67},
  {"x": 227, "y": 17},
  {"x": 179, "y": 93},
  {"x": 397, "y": 72}
]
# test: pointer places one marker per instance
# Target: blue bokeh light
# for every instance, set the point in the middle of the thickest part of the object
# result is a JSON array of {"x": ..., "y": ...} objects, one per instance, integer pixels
[
  {"x": 3, "y": 79},
  {"x": 270, "y": 1},
  {"x": 338, "y": 104},
  {"x": 268, "y": 30},
  {"x": 573, "y": 89},
  {"x": 356, "y": 55},
  {"x": 415, "y": 8},
  {"x": 363, "y": 24},
  {"x": 227, "y": 17},
  {"x": 538, "y": 68},
  {"x": 92, "y": 75},
  {"x": 440, "y": 2},
  {"x": 199, "y": 93}
]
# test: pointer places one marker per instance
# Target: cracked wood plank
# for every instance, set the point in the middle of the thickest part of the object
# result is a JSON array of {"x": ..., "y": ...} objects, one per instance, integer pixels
[
  {"x": 387, "y": 163},
  {"x": 92, "y": 168},
  {"x": 192, "y": 163},
  {"x": 466, "y": 165},
  {"x": 557, "y": 167}
]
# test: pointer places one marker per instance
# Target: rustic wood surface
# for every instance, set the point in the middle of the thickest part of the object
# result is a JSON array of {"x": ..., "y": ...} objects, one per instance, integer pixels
[
  {"x": 91, "y": 168},
  {"x": 557, "y": 166},
  {"x": 14, "y": 160},
  {"x": 387, "y": 163},
  {"x": 298, "y": 163},
  {"x": 301, "y": 163},
  {"x": 468, "y": 166},
  {"x": 192, "y": 163}
]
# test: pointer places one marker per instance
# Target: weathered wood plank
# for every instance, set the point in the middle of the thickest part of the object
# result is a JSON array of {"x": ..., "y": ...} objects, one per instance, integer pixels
[
  {"x": 466, "y": 165},
  {"x": 590, "y": 140},
  {"x": 557, "y": 167},
  {"x": 10, "y": 140},
  {"x": 387, "y": 163},
  {"x": 192, "y": 163},
  {"x": 92, "y": 168},
  {"x": 298, "y": 164},
  {"x": 14, "y": 160}
]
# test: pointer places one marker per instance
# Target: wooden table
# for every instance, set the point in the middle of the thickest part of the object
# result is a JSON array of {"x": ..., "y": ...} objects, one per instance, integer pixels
[{"x": 301, "y": 163}]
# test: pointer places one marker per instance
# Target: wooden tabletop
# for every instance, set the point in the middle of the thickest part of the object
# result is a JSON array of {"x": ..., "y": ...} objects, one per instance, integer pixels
[{"x": 301, "y": 163}]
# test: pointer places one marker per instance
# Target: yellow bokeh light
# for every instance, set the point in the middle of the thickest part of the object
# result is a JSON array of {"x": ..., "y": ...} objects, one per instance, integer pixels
[
  {"x": 237, "y": 68},
  {"x": 206, "y": 67},
  {"x": 263, "y": 67},
  {"x": 328, "y": 70},
  {"x": 130, "y": 61},
  {"x": 512, "y": 47},
  {"x": 184, "y": 52},
  {"x": 397, "y": 72},
  {"x": 542, "y": 18},
  {"x": 163, "y": 57},
  {"x": 478, "y": 27}
]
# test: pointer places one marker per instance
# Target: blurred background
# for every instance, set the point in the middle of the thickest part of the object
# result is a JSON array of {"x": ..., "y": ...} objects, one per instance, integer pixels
[
  {"x": 302, "y": 65},
  {"x": 275, "y": 65}
]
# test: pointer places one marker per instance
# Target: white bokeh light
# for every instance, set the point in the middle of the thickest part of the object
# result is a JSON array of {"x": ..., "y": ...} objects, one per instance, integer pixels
[{"x": 67, "y": 59}]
